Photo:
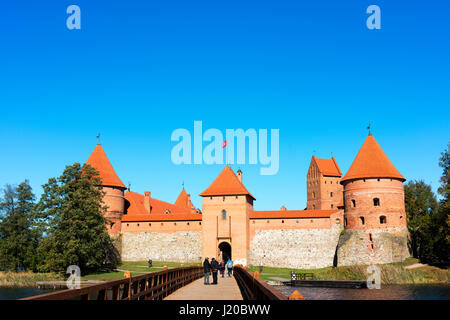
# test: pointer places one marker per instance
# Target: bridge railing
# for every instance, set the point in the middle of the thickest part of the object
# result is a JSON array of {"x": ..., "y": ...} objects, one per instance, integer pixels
[
  {"x": 253, "y": 288},
  {"x": 149, "y": 286}
]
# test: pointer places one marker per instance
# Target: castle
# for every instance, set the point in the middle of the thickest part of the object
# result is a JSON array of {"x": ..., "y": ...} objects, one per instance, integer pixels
[{"x": 356, "y": 219}]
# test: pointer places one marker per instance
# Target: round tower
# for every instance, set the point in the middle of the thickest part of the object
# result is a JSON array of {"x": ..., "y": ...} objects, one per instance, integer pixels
[
  {"x": 374, "y": 215},
  {"x": 112, "y": 187}
]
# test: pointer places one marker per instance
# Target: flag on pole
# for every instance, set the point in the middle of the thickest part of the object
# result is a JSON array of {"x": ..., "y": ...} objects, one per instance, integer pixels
[{"x": 224, "y": 144}]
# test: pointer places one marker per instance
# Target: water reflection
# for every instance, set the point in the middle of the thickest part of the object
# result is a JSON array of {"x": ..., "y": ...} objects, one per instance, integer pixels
[
  {"x": 17, "y": 293},
  {"x": 387, "y": 292}
]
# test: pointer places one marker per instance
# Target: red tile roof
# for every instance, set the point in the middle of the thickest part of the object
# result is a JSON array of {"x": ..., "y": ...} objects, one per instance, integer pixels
[
  {"x": 183, "y": 200},
  {"x": 371, "y": 162},
  {"x": 136, "y": 210},
  {"x": 286, "y": 214},
  {"x": 226, "y": 183},
  {"x": 328, "y": 167},
  {"x": 100, "y": 162}
]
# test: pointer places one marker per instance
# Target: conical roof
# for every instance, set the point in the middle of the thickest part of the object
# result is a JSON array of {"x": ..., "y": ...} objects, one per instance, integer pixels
[
  {"x": 372, "y": 162},
  {"x": 226, "y": 183},
  {"x": 100, "y": 162}
]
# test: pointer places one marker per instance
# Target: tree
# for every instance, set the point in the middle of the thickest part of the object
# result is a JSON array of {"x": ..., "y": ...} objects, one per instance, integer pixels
[
  {"x": 442, "y": 219},
  {"x": 420, "y": 205},
  {"x": 18, "y": 237},
  {"x": 72, "y": 215}
]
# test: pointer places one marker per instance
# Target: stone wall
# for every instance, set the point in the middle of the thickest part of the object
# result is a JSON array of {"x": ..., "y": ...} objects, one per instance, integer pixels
[
  {"x": 295, "y": 248},
  {"x": 372, "y": 246},
  {"x": 182, "y": 246}
]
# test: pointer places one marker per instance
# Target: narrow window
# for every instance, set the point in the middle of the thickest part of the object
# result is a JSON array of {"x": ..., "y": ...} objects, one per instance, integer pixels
[
  {"x": 332, "y": 206},
  {"x": 353, "y": 203},
  {"x": 223, "y": 198},
  {"x": 188, "y": 223},
  {"x": 345, "y": 221},
  {"x": 362, "y": 220},
  {"x": 149, "y": 224},
  {"x": 331, "y": 194},
  {"x": 174, "y": 223},
  {"x": 370, "y": 237},
  {"x": 314, "y": 207},
  {"x": 282, "y": 221},
  {"x": 376, "y": 202},
  {"x": 224, "y": 214},
  {"x": 138, "y": 224},
  {"x": 383, "y": 220}
]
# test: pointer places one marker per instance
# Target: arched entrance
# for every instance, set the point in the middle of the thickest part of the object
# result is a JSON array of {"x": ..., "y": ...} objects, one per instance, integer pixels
[{"x": 225, "y": 249}]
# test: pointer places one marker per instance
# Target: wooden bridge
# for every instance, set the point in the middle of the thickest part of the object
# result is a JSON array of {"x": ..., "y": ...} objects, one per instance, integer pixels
[{"x": 185, "y": 283}]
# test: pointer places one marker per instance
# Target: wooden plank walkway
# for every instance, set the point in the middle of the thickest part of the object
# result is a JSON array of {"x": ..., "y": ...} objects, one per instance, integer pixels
[{"x": 225, "y": 289}]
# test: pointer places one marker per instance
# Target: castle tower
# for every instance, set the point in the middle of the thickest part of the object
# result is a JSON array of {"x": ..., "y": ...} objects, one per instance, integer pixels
[
  {"x": 113, "y": 188},
  {"x": 227, "y": 205},
  {"x": 374, "y": 215},
  {"x": 324, "y": 191}
]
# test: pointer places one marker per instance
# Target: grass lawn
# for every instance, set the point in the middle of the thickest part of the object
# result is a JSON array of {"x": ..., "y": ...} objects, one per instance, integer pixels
[{"x": 135, "y": 267}]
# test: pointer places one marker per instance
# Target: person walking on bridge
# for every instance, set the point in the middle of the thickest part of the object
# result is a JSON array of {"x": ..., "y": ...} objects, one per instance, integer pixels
[
  {"x": 215, "y": 268},
  {"x": 229, "y": 267},
  {"x": 206, "y": 270}
]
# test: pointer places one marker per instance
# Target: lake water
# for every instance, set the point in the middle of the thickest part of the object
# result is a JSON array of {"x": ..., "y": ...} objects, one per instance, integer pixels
[
  {"x": 17, "y": 293},
  {"x": 387, "y": 292}
]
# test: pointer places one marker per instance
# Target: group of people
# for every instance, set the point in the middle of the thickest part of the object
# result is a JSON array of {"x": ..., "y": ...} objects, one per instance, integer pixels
[{"x": 214, "y": 267}]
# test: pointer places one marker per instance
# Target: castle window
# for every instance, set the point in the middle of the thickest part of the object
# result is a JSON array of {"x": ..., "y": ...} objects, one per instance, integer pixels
[
  {"x": 338, "y": 221},
  {"x": 253, "y": 221},
  {"x": 187, "y": 223},
  {"x": 376, "y": 202},
  {"x": 314, "y": 207},
  {"x": 312, "y": 221},
  {"x": 364, "y": 180},
  {"x": 112, "y": 223},
  {"x": 237, "y": 197},
  {"x": 199, "y": 223},
  {"x": 370, "y": 236},
  {"x": 223, "y": 198},
  {"x": 149, "y": 224},
  {"x": 362, "y": 220},
  {"x": 174, "y": 223},
  {"x": 224, "y": 214},
  {"x": 128, "y": 224},
  {"x": 353, "y": 203},
  {"x": 313, "y": 194},
  {"x": 378, "y": 179},
  {"x": 345, "y": 221},
  {"x": 332, "y": 206},
  {"x": 372, "y": 246},
  {"x": 401, "y": 217},
  {"x": 382, "y": 219},
  {"x": 162, "y": 223},
  {"x": 331, "y": 194},
  {"x": 210, "y": 198},
  {"x": 138, "y": 224},
  {"x": 268, "y": 221},
  {"x": 325, "y": 181}
]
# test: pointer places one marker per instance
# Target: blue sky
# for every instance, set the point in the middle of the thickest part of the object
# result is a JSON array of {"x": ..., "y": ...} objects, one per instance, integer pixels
[{"x": 138, "y": 70}]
